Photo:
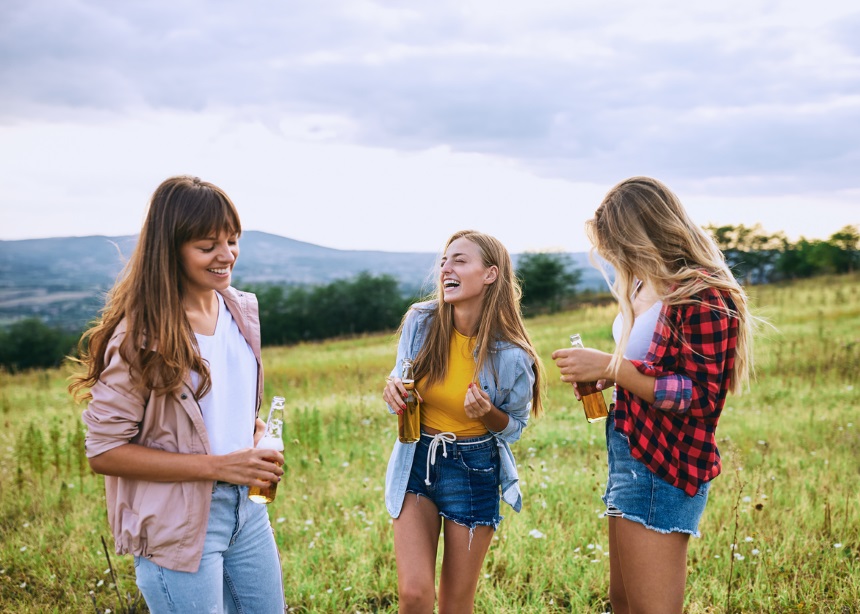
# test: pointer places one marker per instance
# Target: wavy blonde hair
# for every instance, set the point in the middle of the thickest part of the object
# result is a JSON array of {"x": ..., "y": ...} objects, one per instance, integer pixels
[
  {"x": 501, "y": 318},
  {"x": 159, "y": 345},
  {"x": 642, "y": 230}
]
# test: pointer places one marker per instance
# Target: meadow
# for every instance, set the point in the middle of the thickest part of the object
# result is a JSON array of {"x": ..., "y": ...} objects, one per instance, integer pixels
[{"x": 781, "y": 532}]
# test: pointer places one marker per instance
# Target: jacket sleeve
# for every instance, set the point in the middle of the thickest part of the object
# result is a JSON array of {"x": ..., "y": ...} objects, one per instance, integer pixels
[
  {"x": 690, "y": 381},
  {"x": 518, "y": 403},
  {"x": 115, "y": 412},
  {"x": 404, "y": 345}
]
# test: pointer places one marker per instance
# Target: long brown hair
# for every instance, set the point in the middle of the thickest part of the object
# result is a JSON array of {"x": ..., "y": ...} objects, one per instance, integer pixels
[
  {"x": 159, "y": 345},
  {"x": 501, "y": 318},
  {"x": 642, "y": 230}
]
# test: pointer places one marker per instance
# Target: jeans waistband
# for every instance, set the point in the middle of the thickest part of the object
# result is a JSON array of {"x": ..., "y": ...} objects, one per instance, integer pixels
[{"x": 445, "y": 439}]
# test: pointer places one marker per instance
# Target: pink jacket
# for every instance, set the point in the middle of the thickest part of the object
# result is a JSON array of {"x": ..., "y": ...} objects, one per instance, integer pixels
[{"x": 163, "y": 521}]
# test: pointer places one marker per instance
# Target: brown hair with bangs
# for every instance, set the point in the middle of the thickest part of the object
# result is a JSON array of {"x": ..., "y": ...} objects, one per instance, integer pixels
[{"x": 159, "y": 344}]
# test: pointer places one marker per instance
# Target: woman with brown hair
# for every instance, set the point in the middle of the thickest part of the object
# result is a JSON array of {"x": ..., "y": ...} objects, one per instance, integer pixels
[{"x": 174, "y": 381}]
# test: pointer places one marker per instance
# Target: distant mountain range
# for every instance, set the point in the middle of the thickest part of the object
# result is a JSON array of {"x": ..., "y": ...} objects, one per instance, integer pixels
[{"x": 63, "y": 280}]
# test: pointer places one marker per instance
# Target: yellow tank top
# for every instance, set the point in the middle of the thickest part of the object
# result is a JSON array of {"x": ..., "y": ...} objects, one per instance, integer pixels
[{"x": 442, "y": 406}]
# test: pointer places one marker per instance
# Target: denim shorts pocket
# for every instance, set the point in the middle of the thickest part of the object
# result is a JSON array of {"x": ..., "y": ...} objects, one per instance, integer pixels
[{"x": 483, "y": 460}]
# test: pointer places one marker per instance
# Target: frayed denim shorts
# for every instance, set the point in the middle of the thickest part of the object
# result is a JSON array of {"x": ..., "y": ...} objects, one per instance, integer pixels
[
  {"x": 636, "y": 493},
  {"x": 460, "y": 476}
]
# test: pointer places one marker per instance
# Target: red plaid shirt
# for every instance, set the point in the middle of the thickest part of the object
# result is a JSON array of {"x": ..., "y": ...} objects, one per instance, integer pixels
[{"x": 692, "y": 354}]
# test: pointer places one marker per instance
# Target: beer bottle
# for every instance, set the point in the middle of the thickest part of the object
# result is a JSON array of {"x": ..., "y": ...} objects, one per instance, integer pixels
[
  {"x": 592, "y": 398},
  {"x": 409, "y": 421},
  {"x": 271, "y": 440}
]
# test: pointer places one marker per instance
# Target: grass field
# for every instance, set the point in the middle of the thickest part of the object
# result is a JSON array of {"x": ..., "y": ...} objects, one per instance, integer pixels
[{"x": 781, "y": 532}]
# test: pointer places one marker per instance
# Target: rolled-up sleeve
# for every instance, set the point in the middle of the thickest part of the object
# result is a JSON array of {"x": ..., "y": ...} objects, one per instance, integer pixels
[
  {"x": 518, "y": 403},
  {"x": 114, "y": 414},
  {"x": 693, "y": 378},
  {"x": 404, "y": 345}
]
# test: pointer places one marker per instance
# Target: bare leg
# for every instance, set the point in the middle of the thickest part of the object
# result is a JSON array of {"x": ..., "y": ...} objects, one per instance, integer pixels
[
  {"x": 416, "y": 541},
  {"x": 461, "y": 566},
  {"x": 654, "y": 568},
  {"x": 617, "y": 593}
]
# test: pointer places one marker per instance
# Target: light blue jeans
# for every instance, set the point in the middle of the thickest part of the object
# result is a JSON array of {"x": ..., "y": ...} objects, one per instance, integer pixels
[{"x": 240, "y": 571}]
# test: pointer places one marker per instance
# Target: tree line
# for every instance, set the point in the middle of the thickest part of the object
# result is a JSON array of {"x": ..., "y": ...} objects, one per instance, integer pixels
[
  {"x": 756, "y": 256},
  {"x": 371, "y": 303}
]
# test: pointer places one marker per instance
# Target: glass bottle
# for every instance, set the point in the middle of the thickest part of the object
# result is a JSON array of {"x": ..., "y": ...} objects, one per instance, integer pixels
[
  {"x": 271, "y": 440},
  {"x": 409, "y": 420},
  {"x": 592, "y": 398}
]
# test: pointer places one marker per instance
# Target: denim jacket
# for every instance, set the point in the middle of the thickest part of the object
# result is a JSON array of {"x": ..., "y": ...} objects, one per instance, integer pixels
[{"x": 510, "y": 391}]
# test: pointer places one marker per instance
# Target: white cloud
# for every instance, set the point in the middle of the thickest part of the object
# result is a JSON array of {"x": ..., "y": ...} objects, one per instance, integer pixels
[{"x": 455, "y": 108}]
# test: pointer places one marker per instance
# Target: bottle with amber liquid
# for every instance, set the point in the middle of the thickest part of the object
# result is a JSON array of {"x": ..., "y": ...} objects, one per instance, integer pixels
[
  {"x": 271, "y": 440},
  {"x": 409, "y": 421},
  {"x": 592, "y": 398}
]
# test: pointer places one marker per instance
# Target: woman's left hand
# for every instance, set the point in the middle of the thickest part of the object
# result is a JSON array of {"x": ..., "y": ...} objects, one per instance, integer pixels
[{"x": 477, "y": 402}]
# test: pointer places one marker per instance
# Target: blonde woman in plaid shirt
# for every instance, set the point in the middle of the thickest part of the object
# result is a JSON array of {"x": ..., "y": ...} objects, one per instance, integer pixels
[{"x": 683, "y": 341}]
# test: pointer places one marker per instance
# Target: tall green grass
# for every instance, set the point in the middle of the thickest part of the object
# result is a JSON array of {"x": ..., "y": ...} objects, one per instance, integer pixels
[{"x": 780, "y": 533}]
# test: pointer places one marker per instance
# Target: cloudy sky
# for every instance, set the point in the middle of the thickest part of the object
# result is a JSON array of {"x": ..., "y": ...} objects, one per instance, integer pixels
[{"x": 373, "y": 124}]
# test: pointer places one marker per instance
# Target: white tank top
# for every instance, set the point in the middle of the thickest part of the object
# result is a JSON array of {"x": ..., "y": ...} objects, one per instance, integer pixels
[
  {"x": 643, "y": 330},
  {"x": 228, "y": 407},
  {"x": 640, "y": 336}
]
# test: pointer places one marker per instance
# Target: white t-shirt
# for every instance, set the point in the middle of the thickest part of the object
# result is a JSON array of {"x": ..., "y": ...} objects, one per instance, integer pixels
[{"x": 228, "y": 407}]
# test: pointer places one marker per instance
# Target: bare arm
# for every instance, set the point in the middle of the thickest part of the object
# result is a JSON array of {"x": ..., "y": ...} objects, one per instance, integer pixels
[
  {"x": 588, "y": 365},
  {"x": 250, "y": 467}
]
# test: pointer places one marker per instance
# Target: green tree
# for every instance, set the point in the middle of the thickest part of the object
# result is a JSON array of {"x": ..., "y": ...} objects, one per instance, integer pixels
[
  {"x": 847, "y": 241},
  {"x": 548, "y": 280},
  {"x": 30, "y": 344},
  {"x": 750, "y": 252},
  {"x": 365, "y": 303}
]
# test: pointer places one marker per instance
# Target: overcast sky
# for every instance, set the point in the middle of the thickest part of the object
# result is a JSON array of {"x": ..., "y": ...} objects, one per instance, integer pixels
[{"x": 362, "y": 124}]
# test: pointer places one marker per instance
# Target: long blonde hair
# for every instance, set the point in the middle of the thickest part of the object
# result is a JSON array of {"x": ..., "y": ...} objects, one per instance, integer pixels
[
  {"x": 159, "y": 345},
  {"x": 501, "y": 318},
  {"x": 642, "y": 230}
]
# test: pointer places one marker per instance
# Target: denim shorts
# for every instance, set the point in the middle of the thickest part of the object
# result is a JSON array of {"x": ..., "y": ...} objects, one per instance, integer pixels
[
  {"x": 636, "y": 493},
  {"x": 460, "y": 476}
]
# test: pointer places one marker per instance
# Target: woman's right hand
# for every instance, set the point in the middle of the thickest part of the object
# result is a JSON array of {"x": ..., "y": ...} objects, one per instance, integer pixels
[
  {"x": 394, "y": 394},
  {"x": 251, "y": 467}
]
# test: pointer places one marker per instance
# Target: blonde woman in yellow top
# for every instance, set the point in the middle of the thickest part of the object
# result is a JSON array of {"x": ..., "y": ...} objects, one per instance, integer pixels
[{"x": 478, "y": 377}]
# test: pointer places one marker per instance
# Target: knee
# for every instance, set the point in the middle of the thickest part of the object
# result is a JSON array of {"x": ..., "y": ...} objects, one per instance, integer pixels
[{"x": 417, "y": 598}]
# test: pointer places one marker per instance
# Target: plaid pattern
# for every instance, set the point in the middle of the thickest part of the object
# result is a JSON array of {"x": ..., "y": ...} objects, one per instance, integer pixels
[{"x": 692, "y": 354}]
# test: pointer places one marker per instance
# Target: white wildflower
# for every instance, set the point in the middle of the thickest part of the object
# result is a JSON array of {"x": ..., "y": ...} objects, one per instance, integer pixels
[{"x": 536, "y": 534}]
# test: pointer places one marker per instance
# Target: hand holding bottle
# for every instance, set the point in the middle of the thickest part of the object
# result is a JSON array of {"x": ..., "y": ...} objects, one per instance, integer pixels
[
  {"x": 270, "y": 447},
  {"x": 585, "y": 369}
]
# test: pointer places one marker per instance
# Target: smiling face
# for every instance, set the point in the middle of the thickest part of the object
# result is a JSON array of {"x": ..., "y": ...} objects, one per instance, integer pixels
[
  {"x": 463, "y": 276},
  {"x": 207, "y": 263}
]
